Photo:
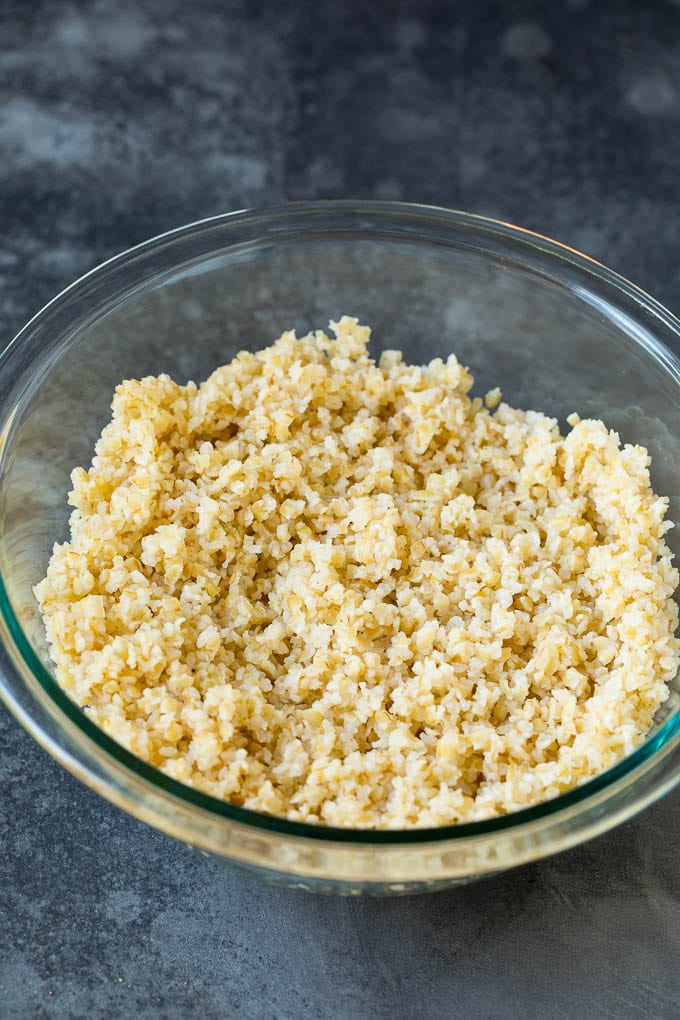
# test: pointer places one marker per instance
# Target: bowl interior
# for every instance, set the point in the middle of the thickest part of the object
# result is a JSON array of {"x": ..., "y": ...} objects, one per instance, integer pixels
[{"x": 554, "y": 336}]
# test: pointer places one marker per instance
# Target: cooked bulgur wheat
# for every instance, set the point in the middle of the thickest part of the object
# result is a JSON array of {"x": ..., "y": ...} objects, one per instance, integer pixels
[{"x": 346, "y": 592}]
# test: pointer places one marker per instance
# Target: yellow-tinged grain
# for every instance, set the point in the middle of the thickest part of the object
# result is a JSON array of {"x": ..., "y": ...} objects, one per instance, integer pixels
[{"x": 346, "y": 592}]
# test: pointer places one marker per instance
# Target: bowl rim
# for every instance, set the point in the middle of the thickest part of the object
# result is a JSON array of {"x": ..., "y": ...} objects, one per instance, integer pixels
[{"x": 667, "y": 737}]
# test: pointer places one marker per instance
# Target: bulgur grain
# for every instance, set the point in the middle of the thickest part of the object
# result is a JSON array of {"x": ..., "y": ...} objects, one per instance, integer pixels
[{"x": 346, "y": 592}]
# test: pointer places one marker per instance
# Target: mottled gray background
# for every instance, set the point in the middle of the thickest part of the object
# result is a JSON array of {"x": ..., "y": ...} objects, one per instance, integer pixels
[{"x": 121, "y": 119}]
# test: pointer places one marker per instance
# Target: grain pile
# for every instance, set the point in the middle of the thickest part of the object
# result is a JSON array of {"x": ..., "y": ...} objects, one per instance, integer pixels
[{"x": 346, "y": 592}]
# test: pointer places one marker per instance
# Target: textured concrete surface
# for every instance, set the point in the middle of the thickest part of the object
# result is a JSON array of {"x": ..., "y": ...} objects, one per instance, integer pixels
[{"x": 120, "y": 120}]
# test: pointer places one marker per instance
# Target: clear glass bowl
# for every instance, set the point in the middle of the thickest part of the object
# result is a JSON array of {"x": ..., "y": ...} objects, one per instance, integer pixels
[{"x": 557, "y": 331}]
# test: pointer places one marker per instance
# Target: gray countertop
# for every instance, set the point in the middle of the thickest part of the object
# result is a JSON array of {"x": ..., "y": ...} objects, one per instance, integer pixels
[{"x": 121, "y": 119}]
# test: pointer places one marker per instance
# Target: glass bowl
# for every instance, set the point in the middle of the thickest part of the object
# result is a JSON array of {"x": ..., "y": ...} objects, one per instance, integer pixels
[{"x": 555, "y": 330}]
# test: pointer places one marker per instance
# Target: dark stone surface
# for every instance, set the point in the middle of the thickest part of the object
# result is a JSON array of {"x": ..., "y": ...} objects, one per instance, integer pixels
[{"x": 121, "y": 119}]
